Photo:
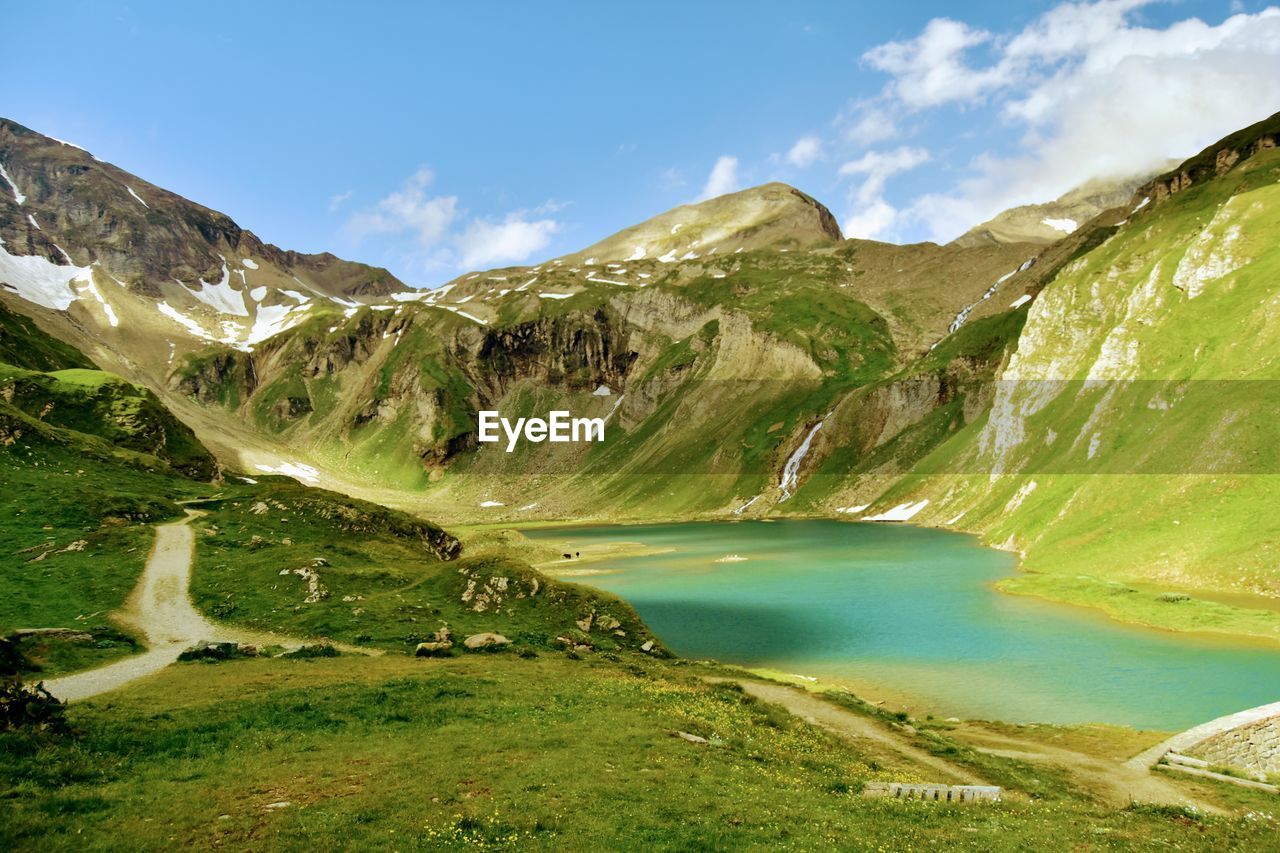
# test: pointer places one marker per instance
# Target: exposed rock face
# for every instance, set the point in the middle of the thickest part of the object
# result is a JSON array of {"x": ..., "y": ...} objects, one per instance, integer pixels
[
  {"x": 208, "y": 379},
  {"x": 1216, "y": 160},
  {"x": 575, "y": 351},
  {"x": 145, "y": 235}
]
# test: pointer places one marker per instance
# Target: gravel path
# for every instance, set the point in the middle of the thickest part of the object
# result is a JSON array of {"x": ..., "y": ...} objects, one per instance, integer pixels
[
  {"x": 160, "y": 609},
  {"x": 1112, "y": 781},
  {"x": 847, "y": 724}
]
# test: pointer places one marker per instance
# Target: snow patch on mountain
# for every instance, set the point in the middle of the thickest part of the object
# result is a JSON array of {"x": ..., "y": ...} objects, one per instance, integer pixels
[
  {"x": 188, "y": 323},
  {"x": 137, "y": 197},
  {"x": 39, "y": 280},
  {"x": 274, "y": 319},
  {"x": 17, "y": 196},
  {"x": 901, "y": 512},
  {"x": 221, "y": 297},
  {"x": 85, "y": 285},
  {"x": 297, "y": 470}
]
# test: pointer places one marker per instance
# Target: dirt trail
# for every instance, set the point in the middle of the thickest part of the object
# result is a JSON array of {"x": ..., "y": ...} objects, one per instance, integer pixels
[
  {"x": 160, "y": 609},
  {"x": 1112, "y": 780},
  {"x": 849, "y": 724}
]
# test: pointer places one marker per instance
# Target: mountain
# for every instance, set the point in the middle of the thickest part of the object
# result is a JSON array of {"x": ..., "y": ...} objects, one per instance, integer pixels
[
  {"x": 1047, "y": 223},
  {"x": 82, "y": 236},
  {"x": 1128, "y": 450},
  {"x": 749, "y": 303},
  {"x": 772, "y": 368},
  {"x": 769, "y": 216}
]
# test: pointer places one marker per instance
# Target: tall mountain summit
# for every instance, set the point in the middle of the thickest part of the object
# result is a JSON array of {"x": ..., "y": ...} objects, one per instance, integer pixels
[
  {"x": 63, "y": 212},
  {"x": 773, "y": 215}
]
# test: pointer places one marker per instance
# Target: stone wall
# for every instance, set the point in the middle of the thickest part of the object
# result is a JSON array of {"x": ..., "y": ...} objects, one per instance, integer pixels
[{"x": 1255, "y": 746}]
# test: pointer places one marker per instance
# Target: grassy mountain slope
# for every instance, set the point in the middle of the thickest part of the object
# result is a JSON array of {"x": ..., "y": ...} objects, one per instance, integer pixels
[
  {"x": 1127, "y": 453},
  {"x": 87, "y": 461},
  {"x": 716, "y": 368}
]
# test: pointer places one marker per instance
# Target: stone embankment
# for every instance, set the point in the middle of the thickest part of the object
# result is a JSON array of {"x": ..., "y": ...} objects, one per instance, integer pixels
[{"x": 1255, "y": 746}]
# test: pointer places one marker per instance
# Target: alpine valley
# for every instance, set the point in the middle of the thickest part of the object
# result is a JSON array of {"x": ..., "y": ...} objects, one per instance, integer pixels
[{"x": 1086, "y": 383}]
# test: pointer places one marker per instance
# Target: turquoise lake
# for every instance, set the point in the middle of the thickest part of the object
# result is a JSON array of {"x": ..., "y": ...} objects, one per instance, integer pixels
[{"x": 914, "y": 612}]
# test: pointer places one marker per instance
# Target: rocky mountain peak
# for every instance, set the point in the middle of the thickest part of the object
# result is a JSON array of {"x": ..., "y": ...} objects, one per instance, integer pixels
[{"x": 772, "y": 215}]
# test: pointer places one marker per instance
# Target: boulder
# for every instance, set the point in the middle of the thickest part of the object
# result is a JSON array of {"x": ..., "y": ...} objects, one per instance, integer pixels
[
  {"x": 487, "y": 640},
  {"x": 689, "y": 737},
  {"x": 433, "y": 650},
  {"x": 648, "y": 646},
  {"x": 211, "y": 651}
]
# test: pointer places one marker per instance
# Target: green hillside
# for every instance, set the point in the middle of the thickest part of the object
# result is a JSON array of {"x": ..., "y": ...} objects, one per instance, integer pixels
[{"x": 1128, "y": 441}]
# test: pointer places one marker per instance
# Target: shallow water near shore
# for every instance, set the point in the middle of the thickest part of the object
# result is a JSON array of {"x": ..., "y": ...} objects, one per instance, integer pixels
[{"x": 915, "y": 611}]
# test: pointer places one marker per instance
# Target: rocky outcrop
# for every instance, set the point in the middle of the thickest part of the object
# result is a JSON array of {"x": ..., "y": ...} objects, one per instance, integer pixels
[
  {"x": 1216, "y": 160},
  {"x": 145, "y": 235},
  {"x": 216, "y": 377},
  {"x": 576, "y": 352}
]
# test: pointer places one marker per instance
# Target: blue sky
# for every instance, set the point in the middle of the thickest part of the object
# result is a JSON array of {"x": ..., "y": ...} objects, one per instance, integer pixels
[{"x": 430, "y": 138}]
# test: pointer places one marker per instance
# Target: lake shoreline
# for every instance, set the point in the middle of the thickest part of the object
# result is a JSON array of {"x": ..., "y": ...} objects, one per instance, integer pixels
[
  {"x": 925, "y": 686},
  {"x": 1229, "y": 605}
]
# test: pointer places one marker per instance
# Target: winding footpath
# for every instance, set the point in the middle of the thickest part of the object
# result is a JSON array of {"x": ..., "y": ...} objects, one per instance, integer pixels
[
  {"x": 852, "y": 726},
  {"x": 1112, "y": 781},
  {"x": 160, "y": 609}
]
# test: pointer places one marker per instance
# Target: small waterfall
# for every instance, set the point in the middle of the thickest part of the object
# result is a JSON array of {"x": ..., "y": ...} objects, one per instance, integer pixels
[
  {"x": 791, "y": 471},
  {"x": 990, "y": 292}
]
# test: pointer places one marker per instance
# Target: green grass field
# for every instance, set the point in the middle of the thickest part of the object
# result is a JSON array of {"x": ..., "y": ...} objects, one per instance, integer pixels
[{"x": 503, "y": 752}]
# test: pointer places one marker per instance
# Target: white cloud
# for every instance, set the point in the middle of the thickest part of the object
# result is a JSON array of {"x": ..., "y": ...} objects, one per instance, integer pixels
[
  {"x": 672, "y": 179},
  {"x": 869, "y": 214},
  {"x": 515, "y": 239},
  {"x": 879, "y": 166},
  {"x": 336, "y": 201},
  {"x": 409, "y": 209},
  {"x": 805, "y": 152},
  {"x": 869, "y": 221},
  {"x": 723, "y": 178},
  {"x": 931, "y": 69},
  {"x": 1085, "y": 92},
  {"x": 438, "y": 238},
  {"x": 866, "y": 124}
]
